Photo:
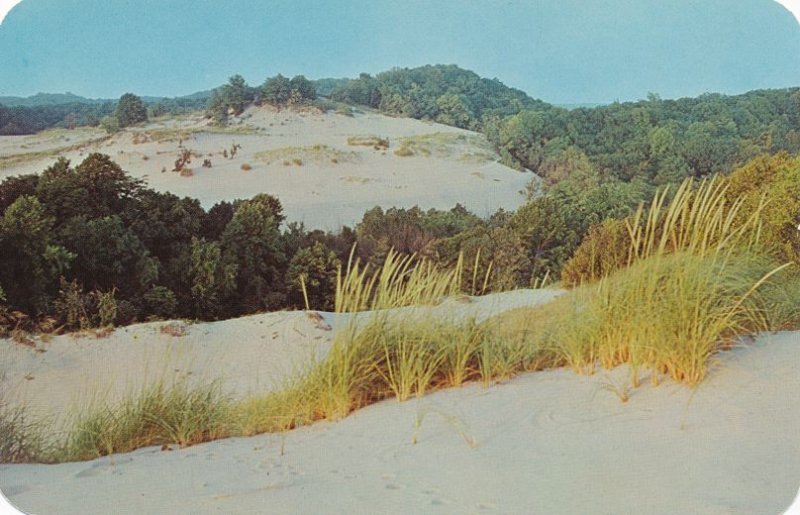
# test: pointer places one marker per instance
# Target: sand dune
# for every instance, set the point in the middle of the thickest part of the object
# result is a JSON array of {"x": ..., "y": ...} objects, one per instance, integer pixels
[
  {"x": 301, "y": 157},
  {"x": 547, "y": 442}
]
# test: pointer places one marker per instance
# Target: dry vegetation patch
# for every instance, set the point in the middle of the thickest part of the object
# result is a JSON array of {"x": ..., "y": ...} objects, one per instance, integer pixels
[
  {"x": 314, "y": 154},
  {"x": 376, "y": 142},
  {"x": 464, "y": 147}
]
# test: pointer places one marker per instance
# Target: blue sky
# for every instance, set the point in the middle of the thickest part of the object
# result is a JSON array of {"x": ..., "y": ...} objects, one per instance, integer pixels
[{"x": 565, "y": 51}]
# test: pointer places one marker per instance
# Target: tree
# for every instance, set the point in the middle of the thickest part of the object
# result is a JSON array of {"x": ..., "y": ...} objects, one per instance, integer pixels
[
  {"x": 315, "y": 269},
  {"x": 109, "y": 255},
  {"x": 109, "y": 189},
  {"x": 210, "y": 279},
  {"x": 545, "y": 228},
  {"x": 277, "y": 90},
  {"x": 251, "y": 242},
  {"x": 130, "y": 110},
  {"x": 217, "y": 110},
  {"x": 235, "y": 95},
  {"x": 302, "y": 88},
  {"x": 31, "y": 259}
]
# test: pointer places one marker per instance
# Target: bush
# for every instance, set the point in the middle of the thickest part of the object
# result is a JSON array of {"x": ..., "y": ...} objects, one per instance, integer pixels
[
  {"x": 160, "y": 302},
  {"x": 110, "y": 124},
  {"x": 130, "y": 110},
  {"x": 311, "y": 277},
  {"x": 778, "y": 179},
  {"x": 602, "y": 251}
]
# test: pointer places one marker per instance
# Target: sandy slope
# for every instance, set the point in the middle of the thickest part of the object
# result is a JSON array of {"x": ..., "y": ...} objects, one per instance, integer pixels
[
  {"x": 252, "y": 354},
  {"x": 547, "y": 442},
  {"x": 322, "y": 193}
]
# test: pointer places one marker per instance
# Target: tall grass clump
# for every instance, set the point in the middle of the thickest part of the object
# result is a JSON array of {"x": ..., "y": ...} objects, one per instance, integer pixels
[
  {"x": 701, "y": 219},
  {"x": 695, "y": 279},
  {"x": 22, "y": 439},
  {"x": 160, "y": 414},
  {"x": 385, "y": 352}
]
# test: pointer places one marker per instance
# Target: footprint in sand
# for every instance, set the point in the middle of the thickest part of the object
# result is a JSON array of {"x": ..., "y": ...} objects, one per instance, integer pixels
[
  {"x": 391, "y": 484},
  {"x": 436, "y": 499},
  {"x": 97, "y": 469}
]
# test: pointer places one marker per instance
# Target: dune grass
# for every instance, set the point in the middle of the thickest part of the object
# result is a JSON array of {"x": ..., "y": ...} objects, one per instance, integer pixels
[
  {"x": 369, "y": 140},
  {"x": 695, "y": 281},
  {"x": 22, "y": 439},
  {"x": 160, "y": 414},
  {"x": 13, "y": 160},
  {"x": 464, "y": 147},
  {"x": 316, "y": 154},
  {"x": 169, "y": 134}
]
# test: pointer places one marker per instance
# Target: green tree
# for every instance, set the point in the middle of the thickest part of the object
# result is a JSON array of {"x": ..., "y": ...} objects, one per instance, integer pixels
[
  {"x": 302, "y": 89},
  {"x": 277, "y": 90},
  {"x": 544, "y": 225},
  {"x": 130, "y": 110},
  {"x": 109, "y": 255},
  {"x": 210, "y": 280},
  {"x": 251, "y": 242},
  {"x": 314, "y": 267},
  {"x": 235, "y": 94},
  {"x": 31, "y": 260}
]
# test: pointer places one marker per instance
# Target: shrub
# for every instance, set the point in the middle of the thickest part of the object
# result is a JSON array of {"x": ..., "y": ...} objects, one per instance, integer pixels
[
  {"x": 311, "y": 277},
  {"x": 404, "y": 152},
  {"x": 778, "y": 179},
  {"x": 604, "y": 249},
  {"x": 110, "y": 124},
  {"x": 160, "y": 302},
  {"x": 106, "y": 307}
]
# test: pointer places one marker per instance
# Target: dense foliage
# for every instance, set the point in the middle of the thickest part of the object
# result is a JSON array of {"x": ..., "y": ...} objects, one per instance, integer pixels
[
  {"x": 29, "y": 120},
  {"x": 445, "y": 93},
  {"x": 130, "y": 110},
  {"x": 76, "y": 112}
]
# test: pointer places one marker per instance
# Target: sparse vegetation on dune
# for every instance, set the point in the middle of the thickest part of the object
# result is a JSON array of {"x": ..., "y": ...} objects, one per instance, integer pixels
[
  {"x": 169, "y": 134},
  {"x": 373, "y": 141},
  {"x": 447, "y": 145},
  {"x": 12, "y": 160},
  {"x": 316, "y": 154}
]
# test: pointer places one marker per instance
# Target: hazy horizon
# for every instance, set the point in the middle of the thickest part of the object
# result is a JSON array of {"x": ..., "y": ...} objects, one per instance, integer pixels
[{"x": 573, "y": 52}]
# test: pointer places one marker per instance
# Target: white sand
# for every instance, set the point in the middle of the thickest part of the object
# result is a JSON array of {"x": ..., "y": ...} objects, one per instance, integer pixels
[
  {"x": 320, "y": 193},
  {"x": 546, "y": 442}
]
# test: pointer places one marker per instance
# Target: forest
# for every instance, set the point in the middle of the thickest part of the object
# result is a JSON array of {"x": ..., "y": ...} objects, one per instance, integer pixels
[{"x": 85, "y": 245}]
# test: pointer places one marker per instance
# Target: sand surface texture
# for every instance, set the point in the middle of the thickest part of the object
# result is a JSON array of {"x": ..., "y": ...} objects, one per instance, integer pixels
[
  {"x": 316, "y": 164},
  {"x": 546, "y": 442}
]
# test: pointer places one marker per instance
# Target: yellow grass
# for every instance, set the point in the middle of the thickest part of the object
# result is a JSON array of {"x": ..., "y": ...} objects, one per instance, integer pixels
[{"x": 317, "y": 154}]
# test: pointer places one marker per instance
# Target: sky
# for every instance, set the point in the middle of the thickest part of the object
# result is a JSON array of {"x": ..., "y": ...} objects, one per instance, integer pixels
[{"x": 565, "y": 51}]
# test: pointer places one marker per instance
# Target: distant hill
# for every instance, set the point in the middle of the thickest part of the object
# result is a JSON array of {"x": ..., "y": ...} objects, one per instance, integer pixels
[
  {"x": 57, "y": 99},
  {"x": 49, "y": 99}
]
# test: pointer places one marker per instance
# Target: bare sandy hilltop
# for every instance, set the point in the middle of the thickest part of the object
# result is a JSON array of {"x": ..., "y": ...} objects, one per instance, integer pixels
[{"x": 327, "y": 169}]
